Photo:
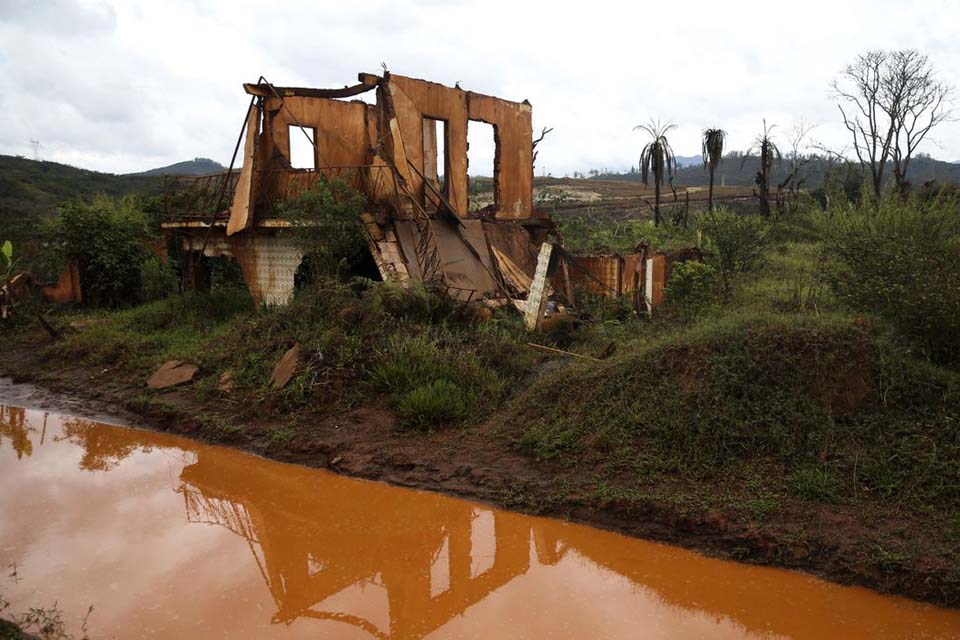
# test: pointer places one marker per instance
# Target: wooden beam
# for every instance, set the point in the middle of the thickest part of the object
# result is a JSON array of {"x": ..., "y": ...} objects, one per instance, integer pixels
[{"x": 264, "y": 90}]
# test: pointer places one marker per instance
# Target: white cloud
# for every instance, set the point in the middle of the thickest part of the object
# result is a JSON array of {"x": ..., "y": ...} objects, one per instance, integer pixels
[{"x": 125, "y": 86}]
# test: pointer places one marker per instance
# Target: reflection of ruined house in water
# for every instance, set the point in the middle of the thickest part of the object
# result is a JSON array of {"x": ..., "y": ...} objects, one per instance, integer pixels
[
  {"x": 329, "y": 556},
  {"x": 416, "y": 224}
]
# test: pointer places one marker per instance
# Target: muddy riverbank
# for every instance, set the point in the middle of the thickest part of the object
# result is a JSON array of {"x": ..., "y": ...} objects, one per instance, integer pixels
[{"x": 480, "y": 464}]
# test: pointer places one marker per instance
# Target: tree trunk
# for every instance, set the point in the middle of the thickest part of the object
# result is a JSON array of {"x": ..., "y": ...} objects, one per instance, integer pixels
[
  {"x": 656, "y": 201},
  {"x": 710, "y": 196}
]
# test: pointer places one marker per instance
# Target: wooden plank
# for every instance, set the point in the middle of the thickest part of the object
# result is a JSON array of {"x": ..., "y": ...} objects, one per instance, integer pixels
[
  {"x": 537, "y": 298},
  {"x": 513, "y": 274},
  {"x": 558, "y": 352}
]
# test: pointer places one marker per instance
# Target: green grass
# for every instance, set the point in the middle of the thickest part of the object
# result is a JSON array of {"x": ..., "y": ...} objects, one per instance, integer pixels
[
  {"x": 357, "y": 340},
  {"x": 749, "y": 388}
]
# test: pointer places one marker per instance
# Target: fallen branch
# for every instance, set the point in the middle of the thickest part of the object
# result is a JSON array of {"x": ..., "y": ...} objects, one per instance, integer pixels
[{"x": 559, "y": 352}]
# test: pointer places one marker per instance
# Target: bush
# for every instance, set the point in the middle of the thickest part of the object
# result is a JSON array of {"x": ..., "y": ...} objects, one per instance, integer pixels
[
  {"x": 157, "y": 279},
  {"x": 105, "y": 238},
  {"x": 900, "y": 259},
  {"x": 692, "y": 288},
  {"x": 597, "y": 232},
  {"x": 737, "y": 243}
]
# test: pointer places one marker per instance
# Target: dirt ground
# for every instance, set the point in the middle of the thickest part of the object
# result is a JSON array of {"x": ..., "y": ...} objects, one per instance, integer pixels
[{"x": 474, "y": 463}]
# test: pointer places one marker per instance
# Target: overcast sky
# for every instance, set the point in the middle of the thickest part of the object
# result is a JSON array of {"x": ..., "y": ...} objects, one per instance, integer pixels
[{"x": 127, "y": 86}]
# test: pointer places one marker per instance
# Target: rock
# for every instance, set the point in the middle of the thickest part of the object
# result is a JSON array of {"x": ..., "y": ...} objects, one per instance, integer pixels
[
  {"x": 171, "y": 373},
  {"x": 225, "y": 383},
  {"x": 286, "y": 367}
]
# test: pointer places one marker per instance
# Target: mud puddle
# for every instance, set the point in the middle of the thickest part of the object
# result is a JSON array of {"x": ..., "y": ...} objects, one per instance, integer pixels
[{"x": 167, "y": 537}]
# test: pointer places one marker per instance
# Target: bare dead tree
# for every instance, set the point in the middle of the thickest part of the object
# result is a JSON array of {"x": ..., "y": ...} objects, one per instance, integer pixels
[
  {"x": 924, "y": 102},
  {"x": 543, "y": 134},
  {"x": 656, "y": 157},
  {"x": 788, "y": 190},
  {"x": 893, "y": 100}
]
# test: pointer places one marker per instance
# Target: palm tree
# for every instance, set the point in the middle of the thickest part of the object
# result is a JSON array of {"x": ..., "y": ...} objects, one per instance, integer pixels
[
  {"x": 769, "y": 155},
  {"x": 713, "y": 140},
  {"x": 657, "y": 157}
]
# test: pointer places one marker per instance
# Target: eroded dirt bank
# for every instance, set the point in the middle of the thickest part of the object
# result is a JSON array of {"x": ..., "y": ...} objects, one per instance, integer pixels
[{"x": 474, "y": 464}]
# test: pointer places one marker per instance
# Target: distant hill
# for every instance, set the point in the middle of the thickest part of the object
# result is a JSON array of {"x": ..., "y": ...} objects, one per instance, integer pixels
[
  {"x": 689, "y": 161},
  {"x": 30, "y": 190},
  {"x": 195, "y": 167}
]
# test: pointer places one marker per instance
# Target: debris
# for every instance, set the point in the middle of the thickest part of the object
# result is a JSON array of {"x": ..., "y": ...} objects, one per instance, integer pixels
[
  {"x": 172, "y": 373},
  {"x": 514, "y": 276},
  {"x": 286, "y": 367},
  {"x": 225, "y": 383}
]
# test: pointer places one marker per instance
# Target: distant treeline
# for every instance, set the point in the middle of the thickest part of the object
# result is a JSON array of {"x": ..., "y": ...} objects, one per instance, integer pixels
[{"x": 738, "y": 169}]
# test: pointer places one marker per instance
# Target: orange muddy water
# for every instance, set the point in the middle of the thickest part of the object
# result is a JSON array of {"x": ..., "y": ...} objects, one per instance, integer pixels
[{"x": 168, "y": 538}]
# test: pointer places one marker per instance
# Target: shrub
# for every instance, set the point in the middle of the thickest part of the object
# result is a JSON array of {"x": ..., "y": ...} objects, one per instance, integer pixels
[
  {"x": 157, "y": 280},
  {"x": 900, "y": 259},
  {"x": 737, "y": 243},
  {"x": 596, "y": 231},
  {"x": 105, "y": 238},
  {"x": 692, "y": 288}
]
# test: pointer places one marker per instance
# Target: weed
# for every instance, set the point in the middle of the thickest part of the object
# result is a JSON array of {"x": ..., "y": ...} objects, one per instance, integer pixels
[
  {"x": 889, "y": 560},
  {"x": 437, "y": 404},
  {"x": 280, "y": 437},
  {"x": 814, "y": 484}
]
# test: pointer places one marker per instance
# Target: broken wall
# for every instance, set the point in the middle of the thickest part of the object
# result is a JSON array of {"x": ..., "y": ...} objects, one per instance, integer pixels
[
  {"x": 341, "y": 136},
  {"x": 414, "y": 100},
  {"x": 513, "y": 163}
]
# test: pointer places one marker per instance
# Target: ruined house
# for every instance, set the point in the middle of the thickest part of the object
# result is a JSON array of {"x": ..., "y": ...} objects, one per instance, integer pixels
[{"x": 417, "y": 224}]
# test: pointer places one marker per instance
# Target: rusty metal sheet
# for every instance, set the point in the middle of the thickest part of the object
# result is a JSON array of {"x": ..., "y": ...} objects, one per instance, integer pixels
[
  {"x": 241, "y": 212},
  {"x": 597, "y": 273},
  {"x": 462, "y": 268}
]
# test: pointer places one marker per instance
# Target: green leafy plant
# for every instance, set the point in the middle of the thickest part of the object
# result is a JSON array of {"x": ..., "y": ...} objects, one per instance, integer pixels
[
  {"x": 157, "y": 279},
  {"x": 105, "y": 238},
  {"x": 692, "y": 288},
  {"x": 736, "y": 243},
  {"x": 6, "y": 255},
  {"x": 900, "y": 258}
]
